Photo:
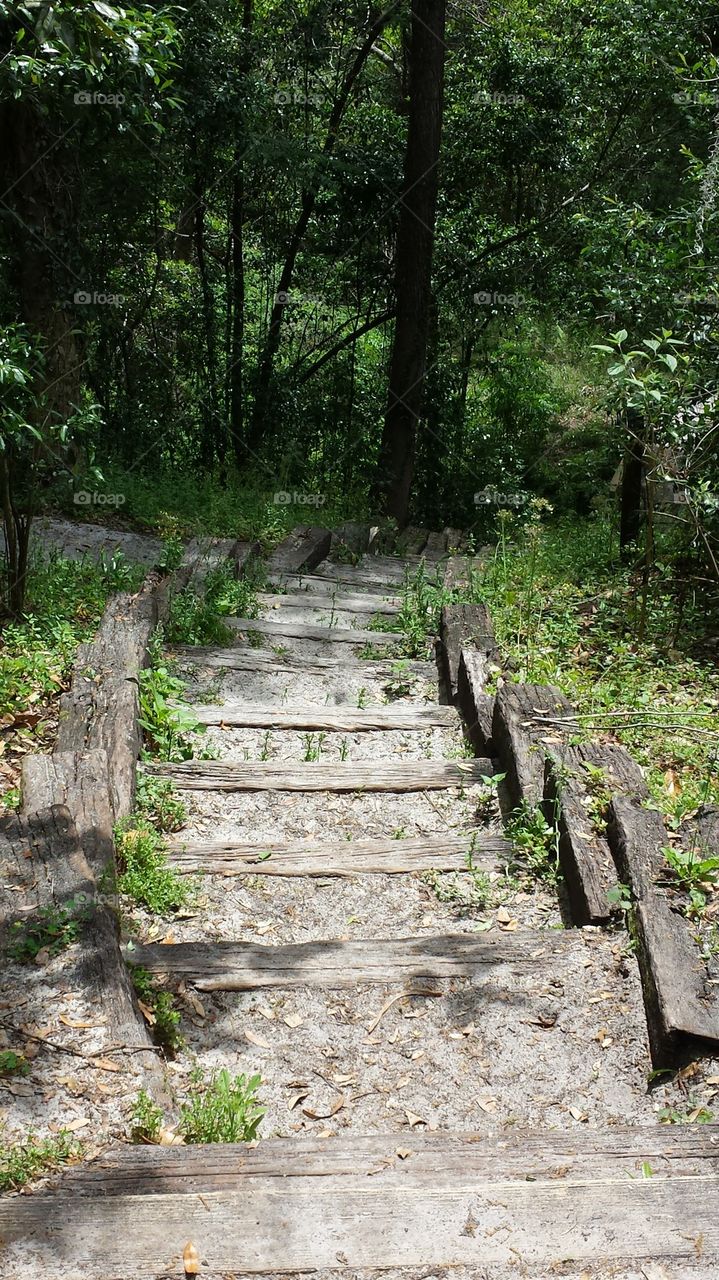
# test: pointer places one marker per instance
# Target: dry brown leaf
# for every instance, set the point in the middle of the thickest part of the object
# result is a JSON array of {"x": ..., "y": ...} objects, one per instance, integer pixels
[
  {"x": 413, "y": 1119},
  {"x": 672, "y": 784},
  {"x": 258, "y": 1040},
  {"x": 403, "y": 1153},
  {"x": 74, "y": 1125},
  {"x": 191, "y": 1259},
  {"x": 80, "y": 1026},
  {"x": 147, "y": 1013},
  {"x": 336, "y": 1106},
  {"x": 293, "y": 1020},
  {"x": 168, "y": 1138},
  {"x": 106, "y": 1064},
  {"x": 296, "y": 1098}
]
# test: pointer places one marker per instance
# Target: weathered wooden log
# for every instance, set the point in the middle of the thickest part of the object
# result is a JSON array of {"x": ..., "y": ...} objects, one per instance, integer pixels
[
  {"x": 303, "y": 548},
  {"x": 680, "y": 999},
  {"x": 463, "y": 626},
  {"x": 483, "y": 1204},
  {"x": 522, "y": 731},
  {"x": 476, "y": 706},
  {"x": 44, "y": 865},
  {"x": 303, "y": 631},
  {"x": 356, "y": 775},
  {"x": 387, "y": 856},
  {"x": 411, "y": 541},
  {"x": 328, "y": 602},
  {"x": 579, "y": 782},
  {"x": 354, "y": 535},
  {"x": 435, "y": 547},
  {"x": 101, "y": 710},
  {"x": 346, "y": 719},
  {"x": 250, "y": 659},
  {"x": 452, "y": 539},
  {"x": 81, "y": 781},
  {"x": 242, "y": 966}
]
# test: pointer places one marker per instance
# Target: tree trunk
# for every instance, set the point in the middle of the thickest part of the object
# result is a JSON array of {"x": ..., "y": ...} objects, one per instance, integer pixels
[
  {"x": 266, "y": 365},
  {"x": 631, "y": 490},
  {"x": 413, "y": 263}
]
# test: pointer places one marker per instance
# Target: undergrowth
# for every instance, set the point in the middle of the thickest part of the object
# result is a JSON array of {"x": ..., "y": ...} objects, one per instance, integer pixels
[
  {"x": 21, "y": 1162},
  {"x": 159, "y": 1009},
  {"x": 143, "y": 872}
]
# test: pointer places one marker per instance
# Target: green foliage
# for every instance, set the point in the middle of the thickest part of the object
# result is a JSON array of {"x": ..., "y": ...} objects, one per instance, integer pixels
[
  {"x": 695, "y": 873},
  {"x": 143, "y": 871},
  {"x": 470, "y": 890},
  {"x": 49, "y": 931},
  {"x": 146, "y": 1118},
  {"x": 157, "y": 800},
  {"x": 20, "y": 1162},
  {"x": 222, "y": 1109},
  {"x": 535, "y": 844},
  {"x": 160, "y": 1007},
  {"x": 64, "y": 602},
  {"x": 167, "y": 721},
  {"x": 197, "y": 619},
  {"x": 566, "y": 613},
  {"x": 13, "y": 1063}
]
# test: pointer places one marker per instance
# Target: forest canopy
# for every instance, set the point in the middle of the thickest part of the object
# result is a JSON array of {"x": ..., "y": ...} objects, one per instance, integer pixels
[{"x": 428, "y": 260}]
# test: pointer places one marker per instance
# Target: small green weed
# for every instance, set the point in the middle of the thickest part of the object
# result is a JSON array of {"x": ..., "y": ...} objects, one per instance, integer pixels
[
  {"x": 143, "y": 871},
  {"x": 222, "y": 1109},
  {"x": 20, "y": 1162},
  {"x": 49, "y": 931},
  {"x": 599, "y": 795},
  {"x": 165, "y": 718},
  {"x": 694, "y": 1113},
  {"x": 695, "y": 874},
  {"x": 13, "y": 1064},
  {"x": 158, "y": 801},
  {"x": 401, "y": 682},
  {"x": 159, "y": 1006},
  {"x": 535, "y": 844},
  {"x": 313, "y": 744},
  {"x": 146, "y": 1119}
]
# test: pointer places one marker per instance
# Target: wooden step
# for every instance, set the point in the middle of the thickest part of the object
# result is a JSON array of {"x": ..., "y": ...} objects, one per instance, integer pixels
[
  {"x": 340, "y": 857},
  {"x": 356, "y": 775},
  {"x": 236, "y": 659},
  {"x": 328, "y": 603},
  {"x": 331, "y": 582},
  {"x": 290, "y": 630},
  {"x": 333, "y": 719},
  {"x": 531, "y": 1201},
  {"x": 303, "y": 548},
  {"x": 335, "y": 963}
]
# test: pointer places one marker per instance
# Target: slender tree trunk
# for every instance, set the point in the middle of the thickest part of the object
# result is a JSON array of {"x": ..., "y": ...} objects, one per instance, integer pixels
[
  {"x": 631, "y": 491},
  {"x": 266, "y": 364},
  {"x": 213, "y": 442},
  {"x": 237, "y": 337},
  {"x": 236, "y": 373},
  {"x": 413, "y": 264}
]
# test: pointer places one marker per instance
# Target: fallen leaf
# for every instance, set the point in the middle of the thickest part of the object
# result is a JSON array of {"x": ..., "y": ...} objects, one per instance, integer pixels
[
  {"x": 403, "y": 1153},
  {"x": 297, "y": 1097},
  {"x": 413, "y": 1119},
  {"x": 80, "y": 1026},
  {"x": 191, "y": 1259},
  {"x": 293, "y": 1020},
  {"x": 258, "y": 1040},
  {"x": 74, "y": 1125},
  {"x": 672, "y": 785},
  {"x": 106, "y": 1064},
  {"x": 336, "y": 1106}
]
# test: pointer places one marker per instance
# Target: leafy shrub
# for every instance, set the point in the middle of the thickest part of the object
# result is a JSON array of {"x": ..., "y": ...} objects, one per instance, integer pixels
[
  {"x": 143, "y": 871},
  {"x": 222, "y": 1109},
  {"x": 22, "y": 1161},
  {"x": 161, "y": 1006}
]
